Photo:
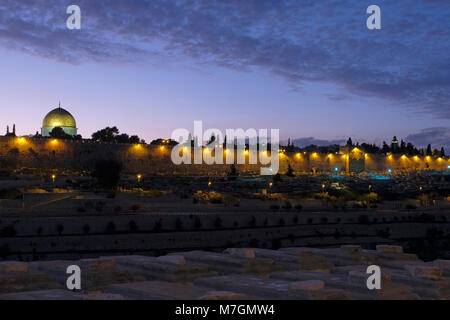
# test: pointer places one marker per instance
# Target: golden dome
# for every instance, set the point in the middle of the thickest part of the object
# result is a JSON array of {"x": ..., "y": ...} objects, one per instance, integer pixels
[{"x": 59, "y": 117}]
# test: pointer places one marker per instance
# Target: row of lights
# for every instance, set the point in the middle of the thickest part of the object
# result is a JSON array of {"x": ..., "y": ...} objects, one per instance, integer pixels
[{"x": 22, "y": 140}]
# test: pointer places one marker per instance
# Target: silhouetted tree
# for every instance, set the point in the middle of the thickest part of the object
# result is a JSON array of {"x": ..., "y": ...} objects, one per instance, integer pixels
[
  {"x": 349, "y": 142},
  {"x": 429, "y": 152},
  {"x": 290, "y": 171},
  {"x": 111, "y": 134},
  {"x": 385, "y": 148},
  {"x": 107, "y": 173},
  {"x": 59, "y": 133}
]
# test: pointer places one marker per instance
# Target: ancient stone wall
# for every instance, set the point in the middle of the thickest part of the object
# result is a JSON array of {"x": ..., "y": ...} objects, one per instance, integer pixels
[{"x": 146, "y": 159}]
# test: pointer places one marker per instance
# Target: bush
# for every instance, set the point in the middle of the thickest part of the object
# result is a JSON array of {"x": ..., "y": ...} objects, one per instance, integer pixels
[
  {"x": 178, "y": 224},
  {"x": 274, "y": 207},
  {"x": 158, "y": 226},
  {"x": 252, "y": 222},
  {"x": 8, "y": 231},
  {"x": 59, "y": 229},
  {"x": 197, "y": 223},
  {"x": 111, "y": 227},
  {"x": 86, "y": 228},
  {"x": 99, "y": 206},
  {"x": 133, "y": 226},
  {"x": 287, "y": 205},
  {"x": 216, "y": 201},
  {"x": 218, "y": 223},
  {"x": 364, "y": 219}
]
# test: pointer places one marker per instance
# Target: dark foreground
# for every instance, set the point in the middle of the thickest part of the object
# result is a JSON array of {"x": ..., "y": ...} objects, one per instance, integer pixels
[{"x": 247, "y": 274}]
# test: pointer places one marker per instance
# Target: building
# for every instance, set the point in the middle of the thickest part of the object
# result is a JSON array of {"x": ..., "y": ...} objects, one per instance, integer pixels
[{"x": 61, "y": 118}]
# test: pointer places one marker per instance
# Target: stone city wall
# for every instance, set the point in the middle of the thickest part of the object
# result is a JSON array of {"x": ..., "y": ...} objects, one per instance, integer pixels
[{"x": 46, "y": 153}]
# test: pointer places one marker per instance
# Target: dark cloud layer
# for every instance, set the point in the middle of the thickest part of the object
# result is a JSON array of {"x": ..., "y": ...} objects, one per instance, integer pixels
[
  {"x": 437, "y": 137},
  {"x": 406, "y": 62}
]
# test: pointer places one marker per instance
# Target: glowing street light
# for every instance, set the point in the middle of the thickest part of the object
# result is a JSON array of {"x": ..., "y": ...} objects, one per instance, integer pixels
[
  {"x": 139, "y": 177},
  {"x": 21, "y": 140},
  {"x": 53, "y": 177}
]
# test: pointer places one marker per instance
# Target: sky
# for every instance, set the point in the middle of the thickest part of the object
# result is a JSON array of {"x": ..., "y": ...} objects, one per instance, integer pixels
[{"x": 309, "y": 68}]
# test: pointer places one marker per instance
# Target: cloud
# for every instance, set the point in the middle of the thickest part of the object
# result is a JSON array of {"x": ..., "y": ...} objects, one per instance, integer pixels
[
  {"x": 437, "y": 137},
  {"x": 406, "y": 62},
  {"x": 307, "y": 141}
]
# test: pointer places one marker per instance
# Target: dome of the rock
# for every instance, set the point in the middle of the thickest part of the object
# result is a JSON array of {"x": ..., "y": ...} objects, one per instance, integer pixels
[{"x": 61, "y": 118}]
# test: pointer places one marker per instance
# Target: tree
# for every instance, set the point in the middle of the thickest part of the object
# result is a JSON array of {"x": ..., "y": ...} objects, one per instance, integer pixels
[
  {"x": 385, "y": 148},
  {"x": 159, "y": 142},
  {"x": 402, "y": 146},
  {"x": 107, "y": 134},
  {"x": 429, "y": 152},
  {"x": 111, "y": 134},
  {"x": 290, "y": 171},
  {"x": 59, "y": 133},
  {"x": 233, "y": 172},
  {"x": 442, "y": 152},
  {"x": 349, "y": 142},
  {"x": 107, "y": 173}
]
